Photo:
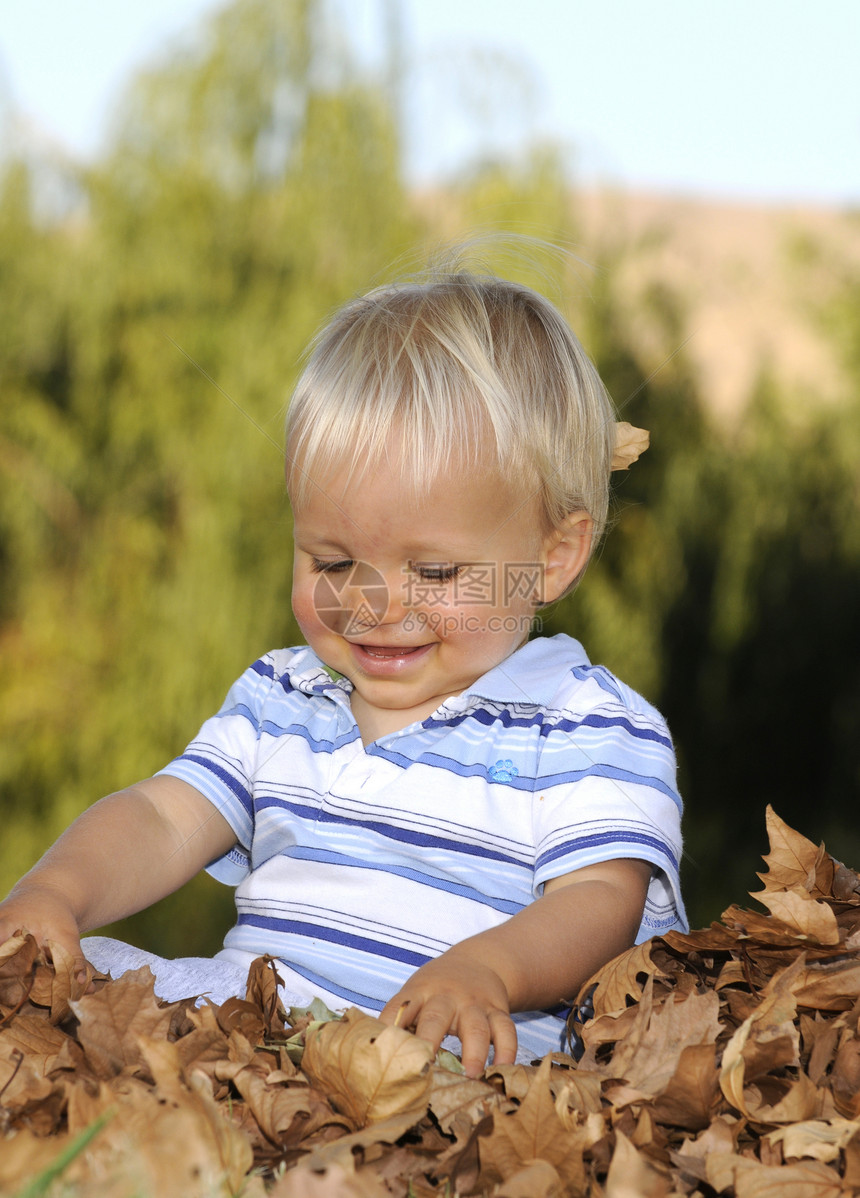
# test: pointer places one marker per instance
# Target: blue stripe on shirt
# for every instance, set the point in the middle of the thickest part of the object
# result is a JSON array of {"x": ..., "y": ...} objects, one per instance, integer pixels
[
  {"x": 376, "y": 948},
  {"x": 582, "y": 843},
  {"x": 507, "y": 906},
  {"x": 229, "y": 780}
]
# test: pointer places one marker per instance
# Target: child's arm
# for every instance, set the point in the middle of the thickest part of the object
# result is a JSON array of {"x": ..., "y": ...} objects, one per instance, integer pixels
[
  {"x": 538, "y": 958},
  {"x": 121, "y": 855}
]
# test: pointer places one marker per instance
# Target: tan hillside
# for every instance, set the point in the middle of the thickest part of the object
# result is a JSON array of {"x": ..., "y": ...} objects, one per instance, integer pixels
[{"x": 750, "y": 291}]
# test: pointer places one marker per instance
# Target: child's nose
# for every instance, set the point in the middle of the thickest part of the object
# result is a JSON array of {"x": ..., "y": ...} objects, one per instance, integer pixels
[{"x": 398, "y": 599}]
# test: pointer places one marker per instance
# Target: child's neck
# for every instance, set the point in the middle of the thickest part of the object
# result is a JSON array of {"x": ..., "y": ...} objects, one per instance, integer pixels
[{"x": 376, "y": 722}]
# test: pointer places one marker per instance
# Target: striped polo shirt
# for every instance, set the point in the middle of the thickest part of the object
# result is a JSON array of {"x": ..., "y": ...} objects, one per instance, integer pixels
[{"x": 356, "y": 864}]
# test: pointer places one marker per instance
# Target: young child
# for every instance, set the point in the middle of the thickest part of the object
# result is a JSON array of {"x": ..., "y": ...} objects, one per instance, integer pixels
[{"x": 426, "y": 814}]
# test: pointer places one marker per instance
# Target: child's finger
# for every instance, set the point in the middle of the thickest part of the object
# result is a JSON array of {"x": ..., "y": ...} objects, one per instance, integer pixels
[
  {"x": 474, "y": 1030},
  {"x": 504, "y": 1036},
  {"x": 436, "y": 1019},
  {"x": 400, "y": 1011}
]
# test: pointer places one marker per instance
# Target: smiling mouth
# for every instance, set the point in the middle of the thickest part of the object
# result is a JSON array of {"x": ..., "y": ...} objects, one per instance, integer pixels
[
  {"x": 386, "y": 651},
  {"x": 387, "y": 660}
]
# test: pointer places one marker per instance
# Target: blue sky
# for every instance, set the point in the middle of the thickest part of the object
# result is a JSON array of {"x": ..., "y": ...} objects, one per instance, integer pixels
[{"x": 741, "y": 99}]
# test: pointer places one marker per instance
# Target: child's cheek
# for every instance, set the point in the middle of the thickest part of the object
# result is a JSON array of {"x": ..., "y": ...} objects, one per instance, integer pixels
[{"x": 303, "y": 608}]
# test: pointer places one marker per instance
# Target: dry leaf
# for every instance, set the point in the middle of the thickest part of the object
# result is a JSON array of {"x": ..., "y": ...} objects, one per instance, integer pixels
[
  {"x": 112, "y": 1020},
  {"x": 754, "y": 1180},
  {"x": 18, "y": 957},
  {"x": 334, "y": 1182},
  {"x": 806, "y": 916},
  {"x": 370, "y": 1072},
  {"x": 534, "y": 1132},
  {"x": 690, "y": 1097},
  {"x": 453, "y": 1098},
  {"x": 747, "y": 1032},
  {"x": 795, "y": 862},
  {"x": 631, "y": 1175},
  {"x": 829, "y": 985},
  {"x": 815, "y": 1138},
  {"x": 537, "y": 1179},
  {"x": 630, "y": 444},
  {"x": 649, "y": 1057},
  {"x": 619, "y": 980}
]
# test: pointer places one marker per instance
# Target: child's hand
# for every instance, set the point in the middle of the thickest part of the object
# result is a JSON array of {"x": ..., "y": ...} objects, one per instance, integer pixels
[
  {"x": 457, "y": 995},
  {"x": 47, "y": 914}
]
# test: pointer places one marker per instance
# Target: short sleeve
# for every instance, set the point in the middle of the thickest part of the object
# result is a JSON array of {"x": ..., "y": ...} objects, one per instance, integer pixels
[
  {"x": 221, "y": 761},
  {"x": 607, "y": 789}
]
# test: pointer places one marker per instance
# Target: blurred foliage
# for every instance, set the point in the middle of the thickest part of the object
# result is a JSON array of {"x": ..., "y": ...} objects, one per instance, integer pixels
[{"x": 147, "y": 348}]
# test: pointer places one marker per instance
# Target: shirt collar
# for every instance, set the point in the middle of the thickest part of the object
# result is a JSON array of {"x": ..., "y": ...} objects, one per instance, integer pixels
[
  {"x": 308, "y": 674},
  {"x": 529, "y": 676}
]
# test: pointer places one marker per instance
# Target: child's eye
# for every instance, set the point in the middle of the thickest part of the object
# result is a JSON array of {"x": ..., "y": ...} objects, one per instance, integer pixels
[
  {"x": 336, "y": 567},
  {"x": 435, "y": 573}
]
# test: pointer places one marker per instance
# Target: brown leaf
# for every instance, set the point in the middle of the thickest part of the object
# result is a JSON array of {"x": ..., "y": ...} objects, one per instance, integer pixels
[
  {"x": 795, "y": 862},
  {"x": 25, "y": 1156},
  {"x": 334, "y": 1182},
  {"x": 112, "y": 1020},
  {"x": 18, "y": 957},
  {"x": 370, "y": 1072},
  {"x": 183, "y": 1141},
  {"x": 537, "y": 1179},
  {"x": 579, "y": 1092},
  {"x": 535, "y": 1132},
  {"x": 34, "y": 1037},
  {"x": 754, "y": 1180},
  {"x": 815, "y": 1138},
  {"x": 237, "y": 1015},
  {"x": 341, "y": 1152},
  {"x": 516, "y": 1079},
  {"x": 630, "y": 444},
  {"x": 632, "y": 1175},
  {"x": 829, "y": 986},
  {"x": 762, "y": 929},
  {"x": 806, "y": 916},
  {"x": 205, "y": 1044},
  {"x": 25, "y": 1091},
  {"x": 845, "y": 1078},
  {"x": 619, "y": 979},
  {"x": 454, "y": 1098},
  {"x": 691, "y": 1096},
  {"x": 774, "y": 1101},
  {"x": 846, "y": 884},
  {"x": 716, "y": 939},
  {"x": 819, "y": 1037},
  {"x": 170, "y": 1150},
  {"x": 649, "y": 1057},
  {"x": 86, "y": 1105},
  {"x": 262, "y": 993},
  {"x": 719, "y": 1138},
  {"x": 62, "y": 985},
  {"x": 286, "y": 1114},
  {"x": 766, "y": 1040}
]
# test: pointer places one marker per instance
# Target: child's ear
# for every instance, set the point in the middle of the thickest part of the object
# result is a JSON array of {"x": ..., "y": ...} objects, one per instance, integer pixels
[{"x": 567, "y": 550}]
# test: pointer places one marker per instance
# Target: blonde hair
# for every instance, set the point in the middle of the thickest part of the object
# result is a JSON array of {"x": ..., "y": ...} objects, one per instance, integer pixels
[{"x": 456, "y": 367}]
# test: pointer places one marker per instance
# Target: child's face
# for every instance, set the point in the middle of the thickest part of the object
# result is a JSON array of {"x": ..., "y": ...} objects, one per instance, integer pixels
[{"x": 414, "y": 598}]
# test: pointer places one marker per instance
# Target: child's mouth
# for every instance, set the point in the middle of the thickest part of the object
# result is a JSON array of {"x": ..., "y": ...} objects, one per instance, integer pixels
[{"x": 387, "y": 659}]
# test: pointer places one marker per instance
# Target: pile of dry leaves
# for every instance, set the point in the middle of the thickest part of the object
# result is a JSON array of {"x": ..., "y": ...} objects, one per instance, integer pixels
[{"x": 723, "y": 1061}]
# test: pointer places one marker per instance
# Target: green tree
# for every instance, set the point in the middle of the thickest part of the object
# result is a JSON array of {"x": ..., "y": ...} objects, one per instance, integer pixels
[{"x": 149, "y": 351}]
